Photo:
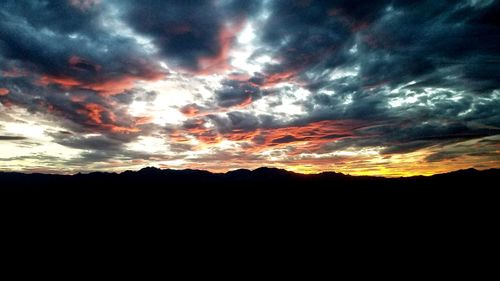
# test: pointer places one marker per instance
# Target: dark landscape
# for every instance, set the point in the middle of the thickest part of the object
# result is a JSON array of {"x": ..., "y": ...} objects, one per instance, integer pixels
[
  {"x": 139, "y": 126},
  {"x": 270, "y": 181},
  {"x": 198, "y": 202},
  {"x": 266, "y": 194}
]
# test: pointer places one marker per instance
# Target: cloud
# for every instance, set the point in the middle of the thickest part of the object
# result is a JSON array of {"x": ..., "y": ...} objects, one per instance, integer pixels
[
  {"x": 236, "y": 93},
  {"x": 190, "y": 110},
  {"x": 101, "y": 143},
  {"x": 78, "y": 52},
  {"x": 484, "y": 149},
  {"x": 84, "y": 5},
  {"x": 11, "y": 138},
  {"x": 251, "y": 132},
  {"x": 194, "y": 35},
  {"x": 286, "y": 83}
]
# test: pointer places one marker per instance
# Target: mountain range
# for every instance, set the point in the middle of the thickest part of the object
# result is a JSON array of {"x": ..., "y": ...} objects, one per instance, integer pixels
[
  {"x": 266, "y": 180},
  {"x": 268, "y": 195}
]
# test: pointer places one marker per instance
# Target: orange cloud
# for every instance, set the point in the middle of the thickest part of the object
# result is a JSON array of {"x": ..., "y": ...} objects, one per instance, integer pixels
[
  {"x": 190, "y": 110},
  {"x": 102, "y": 118},
  {"x": 202, "y": 133},
  {"x": 198, "y": 130},
  {"x": 277, "y": 78},
  {"x": 77, "y": 98},
  {"x": 219, "y": 62},
  {"x": 120, "y": 129},
  {"x": 309, "y": 137},
  {"x": 107, "y": 87},
  {"x": 304, "y": 138},
  {"x": 102, "y": 83},
  {"x": 7, "y": 103},
  {"x": 93, "y": 112},
  {"x": 4, "y": 92},
  {"x": 246, "y": 102},
  {"x": 63, "y": 81},
  {"x": 112, "y": 87},
  {"x": 143, "y": 120}
]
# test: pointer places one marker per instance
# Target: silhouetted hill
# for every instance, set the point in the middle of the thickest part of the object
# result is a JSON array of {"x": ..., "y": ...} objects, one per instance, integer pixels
[
  {"x": 268, "y": 180},
  {"x": 152, "y": 193}
]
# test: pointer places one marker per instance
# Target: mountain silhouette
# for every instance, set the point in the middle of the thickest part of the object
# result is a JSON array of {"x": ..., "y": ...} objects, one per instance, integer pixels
[
  {"x": 267, "y": 180},
  {"x": 153, "y": 193}
]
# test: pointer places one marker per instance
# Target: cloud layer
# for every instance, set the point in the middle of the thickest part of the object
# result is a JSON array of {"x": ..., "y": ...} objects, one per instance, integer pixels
[{"x": 388, "y": 87}]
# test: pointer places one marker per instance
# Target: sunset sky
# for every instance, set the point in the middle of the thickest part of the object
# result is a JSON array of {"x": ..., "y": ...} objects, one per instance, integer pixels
[{"x": 390, "y": 87}]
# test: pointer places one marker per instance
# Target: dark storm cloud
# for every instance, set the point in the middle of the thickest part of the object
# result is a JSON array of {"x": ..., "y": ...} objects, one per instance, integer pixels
[
  {"x": 237, "y": 93},
  {"x": 418, "y": 136},
  {"x": 486, "y": 149},
  {"x": 393, "y": 42},
  {"x": 59, "y": 15},
  {"x": 101, "y": 143},
  {"x": 420, "y": 41},
  {"x": 450, "y": 45},
  {"x": 69, "y": 47},
  {"x": 238, "y": 121},
  {"x": 189, "y": 31},
  {"x": 401, "y": 137}
]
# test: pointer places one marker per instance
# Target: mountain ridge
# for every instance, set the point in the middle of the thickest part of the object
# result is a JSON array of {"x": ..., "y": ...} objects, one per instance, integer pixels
[
  {"x": 261, "y": 190},
  {"x": 261, "y": 179},
  {"x": 260, "y": 170}
]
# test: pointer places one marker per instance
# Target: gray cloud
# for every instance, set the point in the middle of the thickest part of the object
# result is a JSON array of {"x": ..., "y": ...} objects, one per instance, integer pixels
[
  {"x": 11, "y": 138},
  {"x": 236, "y": 93},
  {"x": 187, "y": 31}
]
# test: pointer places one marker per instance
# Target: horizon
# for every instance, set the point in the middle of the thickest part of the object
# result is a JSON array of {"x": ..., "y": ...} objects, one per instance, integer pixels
[
  {"x": 245, "y": 169},
  {"x": 387, "y": 88}
]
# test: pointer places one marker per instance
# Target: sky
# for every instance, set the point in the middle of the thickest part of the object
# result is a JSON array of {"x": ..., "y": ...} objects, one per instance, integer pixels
[{"x": 379, "y": 87}]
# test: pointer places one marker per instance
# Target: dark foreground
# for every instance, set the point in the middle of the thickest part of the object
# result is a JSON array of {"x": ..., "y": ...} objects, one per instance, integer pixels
[
  {"x": 261, "y": 183},
  {"x": 267, "y": 216},
  {"x": 267, "y": 198}
]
